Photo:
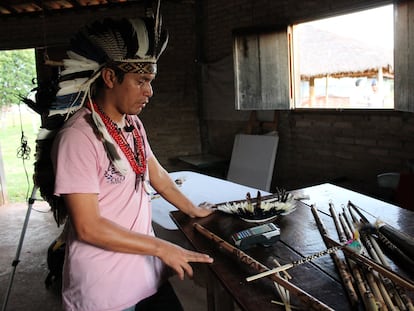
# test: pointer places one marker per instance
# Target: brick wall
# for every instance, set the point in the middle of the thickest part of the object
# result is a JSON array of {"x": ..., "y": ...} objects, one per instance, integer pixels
[{"x": 346, "y": 147}]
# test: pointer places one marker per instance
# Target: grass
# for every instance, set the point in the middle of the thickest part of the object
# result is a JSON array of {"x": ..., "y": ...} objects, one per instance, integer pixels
[{"x": 18, "y": 171}]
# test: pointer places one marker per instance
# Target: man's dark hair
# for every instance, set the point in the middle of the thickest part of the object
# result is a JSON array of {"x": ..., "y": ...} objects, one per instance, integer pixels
[{"x": 99, "y": 83}]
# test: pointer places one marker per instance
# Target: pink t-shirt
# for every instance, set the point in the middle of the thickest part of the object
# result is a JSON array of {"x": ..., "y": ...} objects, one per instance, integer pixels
[{"x": 96, "y": 279}]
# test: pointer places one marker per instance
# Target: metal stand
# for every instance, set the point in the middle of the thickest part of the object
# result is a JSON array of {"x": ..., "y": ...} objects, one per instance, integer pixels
[{"x": 16, "y": 260}]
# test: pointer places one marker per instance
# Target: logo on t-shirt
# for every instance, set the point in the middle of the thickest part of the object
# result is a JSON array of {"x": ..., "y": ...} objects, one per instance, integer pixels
[{"x": 112, "y": 175}]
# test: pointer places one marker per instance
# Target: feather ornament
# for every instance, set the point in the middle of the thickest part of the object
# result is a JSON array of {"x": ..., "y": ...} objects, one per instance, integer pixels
[
  {"x": 163, "y": 46},
  {"x": 157, "y": 26},
  {"x": 112, "y": 43},
  {"x": 77, "y": 63},
  {"x": 161, "y": 37},
  {"x": 71, "y": 86},
  {"x": 115, "y": 39},
  {"x": 110, "y": 145},
  {"x": 261, "y": 208},
  {"x": 140, "y": 30},
  {"x": 82, "y": 45}
]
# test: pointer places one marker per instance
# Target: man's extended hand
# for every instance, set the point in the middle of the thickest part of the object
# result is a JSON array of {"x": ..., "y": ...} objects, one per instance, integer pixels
[{"x": 179, "y": 258}]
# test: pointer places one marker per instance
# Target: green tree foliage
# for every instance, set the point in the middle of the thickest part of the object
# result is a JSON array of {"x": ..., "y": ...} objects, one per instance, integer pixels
[{"x": 17, "y": 70}]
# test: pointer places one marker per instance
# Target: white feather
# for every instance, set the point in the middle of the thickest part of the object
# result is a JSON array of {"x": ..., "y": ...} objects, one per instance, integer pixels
[
  {"x": 142, "y": 36},
  {"x": 163, "y": 47},
  {"x": 110, "y": 145},
  {"x": 73, "y": 55},
  {"x": 78, "y": 63},
  {"x": 70, "y": 86}
]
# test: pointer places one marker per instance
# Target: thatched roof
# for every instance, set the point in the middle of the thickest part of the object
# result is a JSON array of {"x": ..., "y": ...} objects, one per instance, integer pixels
[{"x": 325, "y": 53}]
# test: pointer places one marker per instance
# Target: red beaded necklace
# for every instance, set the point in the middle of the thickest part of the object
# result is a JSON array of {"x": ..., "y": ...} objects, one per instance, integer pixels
[{"x": 137, "y": 159}]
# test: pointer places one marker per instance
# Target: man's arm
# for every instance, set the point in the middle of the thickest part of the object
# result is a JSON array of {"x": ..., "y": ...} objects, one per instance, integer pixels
[
  {"x": 92, "y": 228},
  {"x": 166, "y": 187}
]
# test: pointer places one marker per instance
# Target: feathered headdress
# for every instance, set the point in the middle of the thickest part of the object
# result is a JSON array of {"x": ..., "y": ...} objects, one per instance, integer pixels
[{"x": 132, "y": 45}]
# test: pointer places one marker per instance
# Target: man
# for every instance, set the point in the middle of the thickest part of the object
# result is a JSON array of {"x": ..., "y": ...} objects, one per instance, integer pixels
[{"x": 103, "y": 167}]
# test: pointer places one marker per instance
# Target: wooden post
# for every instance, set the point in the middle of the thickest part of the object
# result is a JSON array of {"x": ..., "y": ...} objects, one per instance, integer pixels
[
  {"x": 312, "y": 98},
  {"x": 326, "y": 90}
]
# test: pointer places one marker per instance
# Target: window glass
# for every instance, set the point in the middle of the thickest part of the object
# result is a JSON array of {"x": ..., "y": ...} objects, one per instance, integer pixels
[{"x": 345, "y": 61}]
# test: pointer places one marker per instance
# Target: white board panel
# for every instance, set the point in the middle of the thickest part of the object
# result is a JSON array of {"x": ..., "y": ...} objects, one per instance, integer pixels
[{"x": 252, "y": 160}]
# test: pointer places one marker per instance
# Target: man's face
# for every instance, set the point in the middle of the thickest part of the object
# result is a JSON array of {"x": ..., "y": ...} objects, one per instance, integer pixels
[{"x": 133, "y": 93}]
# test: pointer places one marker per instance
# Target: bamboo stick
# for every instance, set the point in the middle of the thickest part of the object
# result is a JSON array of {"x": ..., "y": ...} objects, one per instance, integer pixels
[
  {"x": 389, "y": 292},
  {"x": 377, "y": 282},
  {"x": 397, "y": 292},
  {"x": 404, "y": 241},
  {"x": 370, "y": 264},
  {"x": 349, "y": 220},
  {"x": 384, "y": 301},
  {"x": 341, "y": 233},
  {"x": 368, "y": 298},
  {"x": 283, "y": 292},
  {"x": 285, "y": 273},
  {"x": 345, "y": 226},
  {"x": 365, "y": 291},
  {"x": 305, "y": 297},
  {"x": 344, "y": 273}
]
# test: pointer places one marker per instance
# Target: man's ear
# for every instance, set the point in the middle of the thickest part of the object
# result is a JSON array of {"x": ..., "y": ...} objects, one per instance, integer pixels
[{"x": 109, "y": 77}]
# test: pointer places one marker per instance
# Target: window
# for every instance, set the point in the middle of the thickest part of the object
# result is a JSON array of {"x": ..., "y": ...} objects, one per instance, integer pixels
[
  {"x": 345, "y": 61},
  {"x": 320, "y": 64}
]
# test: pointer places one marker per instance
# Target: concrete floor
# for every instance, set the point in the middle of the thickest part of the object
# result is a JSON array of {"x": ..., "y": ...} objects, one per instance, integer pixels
[{"x": 28, "y": 291}]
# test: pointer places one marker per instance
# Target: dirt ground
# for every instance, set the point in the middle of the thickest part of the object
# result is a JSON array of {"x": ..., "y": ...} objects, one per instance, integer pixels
[{"x": 27, "y": 289}]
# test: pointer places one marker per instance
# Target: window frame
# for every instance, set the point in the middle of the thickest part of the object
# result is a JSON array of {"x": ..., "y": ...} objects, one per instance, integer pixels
[{"x": 403, "y": 66}]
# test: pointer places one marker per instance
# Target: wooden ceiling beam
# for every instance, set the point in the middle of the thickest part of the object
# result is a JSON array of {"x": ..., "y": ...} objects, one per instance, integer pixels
[
  {"x": 14, "y": 8},
  {"x": 74, "y": 3},
  {"x": 9, "y": 8}
]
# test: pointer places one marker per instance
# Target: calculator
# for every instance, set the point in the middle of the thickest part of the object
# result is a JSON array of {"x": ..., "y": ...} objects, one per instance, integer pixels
[{"x": 265, "y": 235}]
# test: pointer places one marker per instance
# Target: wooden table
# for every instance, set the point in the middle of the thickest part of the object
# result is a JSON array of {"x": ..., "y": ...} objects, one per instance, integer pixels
[{"x": 299, "y": 237}]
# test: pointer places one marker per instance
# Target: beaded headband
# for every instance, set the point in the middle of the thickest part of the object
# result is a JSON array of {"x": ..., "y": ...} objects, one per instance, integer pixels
[{"x": 136, "y": 67}]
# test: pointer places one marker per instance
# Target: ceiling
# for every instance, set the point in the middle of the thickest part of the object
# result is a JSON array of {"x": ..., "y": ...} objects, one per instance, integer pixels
[{"x": 13, "y": 8}]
